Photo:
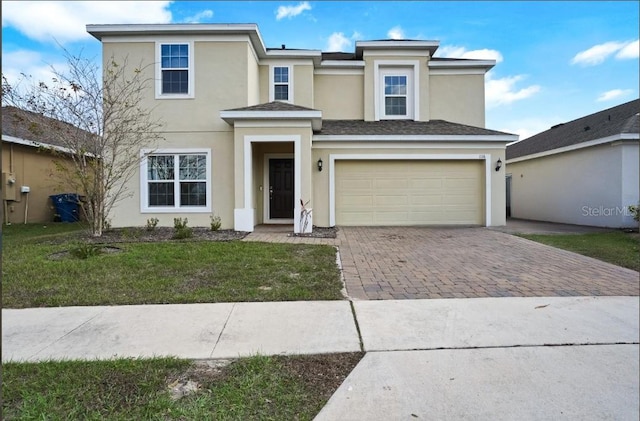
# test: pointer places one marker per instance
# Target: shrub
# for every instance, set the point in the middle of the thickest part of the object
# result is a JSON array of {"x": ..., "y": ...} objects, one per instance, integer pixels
[
  {"x": 182, "y": 231},
  {"x": 152, "y": 224},
  {"x": 216, "y": 222},
  {"x": 635, "y": 211},
  {"x": 84, "y": 250},
  {"x": 179, "y": 223}
]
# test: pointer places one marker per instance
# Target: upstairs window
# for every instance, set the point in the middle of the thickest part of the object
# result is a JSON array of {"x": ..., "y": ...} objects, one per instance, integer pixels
[
  {"x": 395, "y": 95},
  {"x": 396, "y": 90},
  {"x": 280, "y": 87},
  {"x": 175, "y": 70}
]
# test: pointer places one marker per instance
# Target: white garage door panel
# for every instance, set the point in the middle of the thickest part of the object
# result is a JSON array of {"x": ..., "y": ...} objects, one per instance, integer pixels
[{"x": 409, "y": 192}]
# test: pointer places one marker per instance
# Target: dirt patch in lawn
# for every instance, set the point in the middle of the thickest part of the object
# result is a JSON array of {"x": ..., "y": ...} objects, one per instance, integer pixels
[
  {"x": 320, "y": 374},
  {"x": 323, "y": 373}
]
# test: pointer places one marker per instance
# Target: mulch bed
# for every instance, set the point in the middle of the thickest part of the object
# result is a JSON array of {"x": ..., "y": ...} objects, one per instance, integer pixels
[{"x": 139, "y": 235}]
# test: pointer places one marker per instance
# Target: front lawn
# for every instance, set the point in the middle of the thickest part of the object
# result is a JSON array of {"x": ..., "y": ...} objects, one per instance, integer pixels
[
  {"x": 38, "y": 271},
  {"x": 274, "y": 388},
  {"x": 619, "y": 248}
]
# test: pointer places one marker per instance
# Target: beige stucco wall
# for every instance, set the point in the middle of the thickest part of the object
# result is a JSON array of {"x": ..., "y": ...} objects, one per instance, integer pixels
[
  {"x": 583, "y": 187},
  {"x": 128, "y": 212},
  {"x": 457, "y": 98},
  {"x": 339, "y": 97},
  {"x": 303, "y": 89},
  {"x": 321, "y": 184},
  {"x": 34, "y": 168},
  {"x": 253, "y": 79},
  {"x": 219, "y": 84},
  {"x": 422, "y": 77},
  {"x": 195, "y": 122}
]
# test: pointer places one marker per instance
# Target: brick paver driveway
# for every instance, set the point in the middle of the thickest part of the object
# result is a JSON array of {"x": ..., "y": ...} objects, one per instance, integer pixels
[{"x": 417, "y": 262}]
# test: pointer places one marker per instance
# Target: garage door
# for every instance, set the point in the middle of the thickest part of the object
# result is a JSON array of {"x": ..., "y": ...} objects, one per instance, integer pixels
[{"x": 409, "y": 192}]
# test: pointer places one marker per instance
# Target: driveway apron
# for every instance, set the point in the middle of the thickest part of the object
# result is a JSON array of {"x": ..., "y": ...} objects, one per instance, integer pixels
[{"x": 423, "y": 262}]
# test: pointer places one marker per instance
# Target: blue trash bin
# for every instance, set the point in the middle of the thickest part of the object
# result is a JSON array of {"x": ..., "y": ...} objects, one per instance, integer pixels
[{"x": 66, "y": 206}]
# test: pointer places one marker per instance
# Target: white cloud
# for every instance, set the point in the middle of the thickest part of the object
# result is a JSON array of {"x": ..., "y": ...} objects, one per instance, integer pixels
[
  {"x": 338, "y": 42},
  {"x": 66, "y": 21},
  {"x": 396, "y": 33},
  {"x": 614, "y": 94},
  {"x": 631, "y": 50},
  {"x": 30, "y": 63},
  {"x": 523, "y": 127},
  {"x": 599, "y": 53},
  {"x": 503, "y": 91},
  {"x": 199, "y": 17},
  {"x": 292, "y": 11},
  {"x": 453, "y": 51}
]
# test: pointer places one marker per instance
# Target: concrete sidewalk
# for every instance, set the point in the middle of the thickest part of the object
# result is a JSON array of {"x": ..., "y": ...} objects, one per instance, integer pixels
[
  {"x": 481, "y": 358},
  {"x": 194, "y": 331}
]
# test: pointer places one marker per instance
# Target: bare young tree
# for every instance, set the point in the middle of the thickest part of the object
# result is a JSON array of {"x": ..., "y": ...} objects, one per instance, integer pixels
[{"x": 99, "y": 118}]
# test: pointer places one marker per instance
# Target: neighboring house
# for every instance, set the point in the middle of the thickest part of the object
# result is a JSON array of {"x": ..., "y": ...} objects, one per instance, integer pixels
[
  {"x": 30, "y": 155},
  {"x": 387, "y": 135},
  {"x": 583, "y": 172}
]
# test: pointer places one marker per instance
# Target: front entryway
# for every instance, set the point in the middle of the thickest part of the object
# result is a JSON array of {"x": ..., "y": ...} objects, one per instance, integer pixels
[{"x": 281, "y": 188}]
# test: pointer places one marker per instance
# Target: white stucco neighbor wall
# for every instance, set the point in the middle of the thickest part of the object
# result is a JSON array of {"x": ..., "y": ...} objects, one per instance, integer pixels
[{"x": 590, "y": 186}]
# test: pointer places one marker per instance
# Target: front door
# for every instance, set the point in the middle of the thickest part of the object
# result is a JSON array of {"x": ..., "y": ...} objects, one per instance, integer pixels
[{"x": 281, "y": 188}]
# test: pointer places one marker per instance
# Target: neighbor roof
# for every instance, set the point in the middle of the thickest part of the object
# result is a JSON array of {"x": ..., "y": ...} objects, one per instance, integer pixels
[
  {"x": 36, "y": 129},
  {"x": 618, "y": 120}
]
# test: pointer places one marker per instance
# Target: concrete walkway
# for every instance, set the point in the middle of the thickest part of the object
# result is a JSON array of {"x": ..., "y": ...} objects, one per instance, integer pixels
[{"x": 485, "y": 358}]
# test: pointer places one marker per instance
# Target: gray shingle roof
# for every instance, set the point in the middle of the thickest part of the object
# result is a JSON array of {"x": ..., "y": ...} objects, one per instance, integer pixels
[
  {"x": 30, "y": 126},
  {"x": 612, "y": 121},
  {"x": 401, "y": 127},
  {"x": 35, "y": 127},
  {"x": 273, "y": 106}
]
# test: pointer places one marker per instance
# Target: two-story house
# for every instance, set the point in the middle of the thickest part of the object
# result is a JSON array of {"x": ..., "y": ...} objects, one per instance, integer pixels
[{"x": 386, "y": 135}]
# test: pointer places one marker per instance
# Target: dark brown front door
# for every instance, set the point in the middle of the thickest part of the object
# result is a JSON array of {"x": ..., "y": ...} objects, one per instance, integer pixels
[{"x": 281, "y": 188}]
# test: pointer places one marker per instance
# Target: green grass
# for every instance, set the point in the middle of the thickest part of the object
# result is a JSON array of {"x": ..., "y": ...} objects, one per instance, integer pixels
[
  {"x": 161, "y": 272},
  {"x": 265, "y": 388},
  {"x": 619, "y": 248}
]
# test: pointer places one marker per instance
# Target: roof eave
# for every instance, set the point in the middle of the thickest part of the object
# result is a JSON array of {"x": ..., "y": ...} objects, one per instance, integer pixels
[
  {"x": 415, "y": 138},
  {"x": 230, "y": 117},
  {"x": 576, "y": 146},
  {"x": 99, "y": 31},
  {"x": 466, "y": 64},
  {"x": 431, "y": 46}
]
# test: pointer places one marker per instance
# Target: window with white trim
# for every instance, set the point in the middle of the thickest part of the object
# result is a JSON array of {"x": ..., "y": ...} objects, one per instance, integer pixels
[
  {"x": 280, "y": 86},
  {"x": 176, "y": 180},
  {"x": 396, "y": 93},
  {"x": 174, "y": 70}
]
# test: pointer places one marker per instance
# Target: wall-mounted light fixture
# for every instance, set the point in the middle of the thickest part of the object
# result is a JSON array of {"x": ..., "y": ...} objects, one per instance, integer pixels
[
  {"x": 320, "y": 164},
  {"x": 498, "y": 164}
]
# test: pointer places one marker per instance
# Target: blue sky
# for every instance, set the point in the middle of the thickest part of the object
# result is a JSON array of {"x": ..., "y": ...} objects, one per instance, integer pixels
[{"x": 556, "y": 61}]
